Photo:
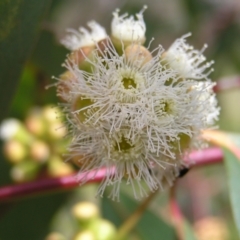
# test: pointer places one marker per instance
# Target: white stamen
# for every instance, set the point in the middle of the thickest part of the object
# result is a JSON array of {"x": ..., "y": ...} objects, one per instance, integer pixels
[
  {"x": 127, "y": 28},
  {"x": 83, "y": 38},
  {"x": 186, "y": 60}
]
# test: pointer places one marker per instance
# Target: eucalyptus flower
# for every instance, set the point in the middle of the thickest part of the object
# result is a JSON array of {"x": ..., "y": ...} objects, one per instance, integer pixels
[
  {"x": 187, "y": 61},
  {"x": 125, "y": 30},
  {"x": 136, "y": 112},
  {"x": 83, "y": 37}
]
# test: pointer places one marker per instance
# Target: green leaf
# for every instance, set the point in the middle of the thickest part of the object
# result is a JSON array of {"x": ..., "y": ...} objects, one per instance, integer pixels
[
  {"x": 50, "y": 64},
  {"x": 235, "y": 138},
  {"x": 188, "y": 231},
  {"x": 27, "y": 87},
  {"x": 19, "y": 25},
  {"x": 109, "y": 211},
  {"x": 150, "y": 226},
  {"x": 29, "y": 219},
  {"x": 230, "y": 144},
  {"x": 233, "y": 169}
]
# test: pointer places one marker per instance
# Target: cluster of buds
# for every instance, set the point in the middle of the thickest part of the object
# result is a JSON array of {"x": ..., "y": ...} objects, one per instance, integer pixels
[
  {"x": 91, "y": 225},
  {"x": 35, "y": 146},
  {"x": 135, "y": 111}
]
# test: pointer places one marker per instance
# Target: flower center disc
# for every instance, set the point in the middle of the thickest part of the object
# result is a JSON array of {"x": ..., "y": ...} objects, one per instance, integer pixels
[
  {"x": 80, "y": 104},
  {"x": 129, "y": 83},
  {"x": 167, "y": 107},
  {"x": 123, "y": 145}
]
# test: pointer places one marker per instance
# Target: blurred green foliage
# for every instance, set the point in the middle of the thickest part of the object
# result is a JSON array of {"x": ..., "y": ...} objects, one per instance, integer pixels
[
  {"x": 233, "y": 170},
  {"x": 19, "y": 26},
  {"x": 30, "y": 54}
]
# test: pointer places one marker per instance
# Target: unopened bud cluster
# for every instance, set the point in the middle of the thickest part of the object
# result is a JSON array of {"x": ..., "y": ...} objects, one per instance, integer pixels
[
  {"x": 91, "y": 225},
  {"x": 135, "y": 111},
  {"x": 35, "y": 145}
]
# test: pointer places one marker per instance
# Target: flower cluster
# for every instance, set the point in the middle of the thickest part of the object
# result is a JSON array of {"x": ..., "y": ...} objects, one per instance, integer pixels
[
  {"x": 35, "y": 146},
  {"x": 88, "y": 223},
  {"x": 131, "y": 110}
]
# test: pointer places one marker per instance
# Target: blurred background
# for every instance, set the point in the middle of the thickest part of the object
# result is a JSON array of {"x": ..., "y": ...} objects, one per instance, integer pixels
[{"x": 202, "y": 193}]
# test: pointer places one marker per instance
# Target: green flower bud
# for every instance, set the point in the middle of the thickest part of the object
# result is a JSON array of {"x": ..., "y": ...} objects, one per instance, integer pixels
[
  {"x": 39, "y": 151},
  {"x": 56, "y": 167},
  {"x": 86, "y": 213},
  {"x": 55, "y": 236},
  {"x": 35, "y": 123},
  {"x": 103, "y": 230},
  {"x": 85, "y": 235},
  {"x": 14, "y": 129},
  {"x": 15, "y": 151},
  {"x": 25, "y": 171}
]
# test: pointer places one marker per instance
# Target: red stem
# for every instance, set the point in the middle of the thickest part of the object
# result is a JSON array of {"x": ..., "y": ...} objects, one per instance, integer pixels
[
  {"x": 12, "y": 192},
  {"x": 207, "y": 156},
  {"x": 227, "y": 83},
  {"x": 176, "y": 215}
]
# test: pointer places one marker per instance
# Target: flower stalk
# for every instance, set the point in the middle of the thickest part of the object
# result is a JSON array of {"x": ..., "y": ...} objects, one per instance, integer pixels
[{"x": 131, "y": 222}]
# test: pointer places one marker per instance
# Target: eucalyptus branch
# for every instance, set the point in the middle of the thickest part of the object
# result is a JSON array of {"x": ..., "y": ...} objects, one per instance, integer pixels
[
  {"x": 40, "y": 186},
  {"x": 16, "y": 191},
  {"x": 227, "y": 83}
]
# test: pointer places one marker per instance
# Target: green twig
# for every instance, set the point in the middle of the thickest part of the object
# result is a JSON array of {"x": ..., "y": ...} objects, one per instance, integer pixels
[{"x": 131, "y": 222}]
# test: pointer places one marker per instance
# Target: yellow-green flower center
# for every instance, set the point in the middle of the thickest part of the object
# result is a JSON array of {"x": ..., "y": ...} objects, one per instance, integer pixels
[
  {"x": 182, "y": 143},
  {"x": 123, "y": 145},
  {"x": 82, "y": 103},
  {"x": 165, "y": 107},
  {"x": 168, "y": 107},
  {"x": 128, "y": 83}
]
